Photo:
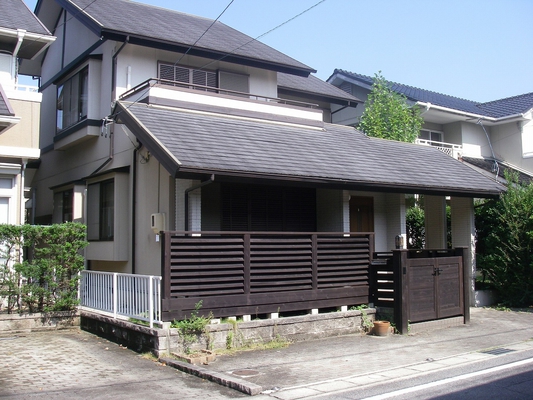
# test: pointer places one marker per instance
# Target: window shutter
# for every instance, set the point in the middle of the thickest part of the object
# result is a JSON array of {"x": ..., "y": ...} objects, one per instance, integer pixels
[
  {"x": 236, "y": 82},
  {"x": 166, "y": 72}
]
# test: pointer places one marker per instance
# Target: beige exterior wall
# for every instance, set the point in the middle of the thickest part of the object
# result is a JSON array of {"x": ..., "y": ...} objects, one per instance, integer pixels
[
  {"x": 26, "y": 132},
  {"x": 435, "y": 221},
  {"x": 463, "y": 235}
]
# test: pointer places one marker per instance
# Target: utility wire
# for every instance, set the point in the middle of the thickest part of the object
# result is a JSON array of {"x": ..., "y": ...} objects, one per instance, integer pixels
[
  {"x": 183, "y": 55},
  {"x": 209, "y": 27},
  {"x": 264, "y": 34}
]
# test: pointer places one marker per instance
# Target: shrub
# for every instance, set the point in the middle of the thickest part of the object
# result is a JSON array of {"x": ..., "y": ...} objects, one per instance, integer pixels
[
  {"x": 46, "y": 278},
  {"x": 504, "y": 230}
]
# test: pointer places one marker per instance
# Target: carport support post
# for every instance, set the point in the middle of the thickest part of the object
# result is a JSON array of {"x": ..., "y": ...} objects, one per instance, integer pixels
[{"x": 401, "y": 294}]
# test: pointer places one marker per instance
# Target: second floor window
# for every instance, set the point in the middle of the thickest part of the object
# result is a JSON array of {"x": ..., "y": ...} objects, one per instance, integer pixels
[
  {"x": 176, "y": 73},
  {"x": 72, "y": 99}
]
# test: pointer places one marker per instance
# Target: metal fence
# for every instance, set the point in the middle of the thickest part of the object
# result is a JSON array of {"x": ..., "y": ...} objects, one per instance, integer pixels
[{"x": 128, "y": 295}]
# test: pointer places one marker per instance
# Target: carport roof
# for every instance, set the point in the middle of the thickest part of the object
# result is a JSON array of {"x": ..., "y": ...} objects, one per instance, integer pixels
[{"x": 192, "y": 143}]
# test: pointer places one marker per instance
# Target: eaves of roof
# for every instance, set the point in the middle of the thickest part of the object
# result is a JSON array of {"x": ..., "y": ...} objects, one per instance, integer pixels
[
  {"x": 494, "y": 111},
  {"x": 193, "y": 144}
]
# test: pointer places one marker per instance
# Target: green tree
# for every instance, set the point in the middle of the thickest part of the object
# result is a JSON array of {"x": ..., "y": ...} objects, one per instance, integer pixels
[
  {"x": 387, "y": 114},
  {"x": 504, "y": 230}
]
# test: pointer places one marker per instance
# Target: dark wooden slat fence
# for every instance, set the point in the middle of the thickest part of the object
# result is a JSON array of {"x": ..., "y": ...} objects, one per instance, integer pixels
[{"x": 247, "y": 273}]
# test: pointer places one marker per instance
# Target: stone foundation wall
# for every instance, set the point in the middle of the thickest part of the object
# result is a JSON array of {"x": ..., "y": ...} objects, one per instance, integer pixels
[
  {"x": 18, "y": 323},
  {"x": 163, "y": 341}
]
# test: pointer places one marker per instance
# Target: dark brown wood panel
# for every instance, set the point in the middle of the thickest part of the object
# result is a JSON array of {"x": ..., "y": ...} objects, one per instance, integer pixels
[{"x": 264, "y": 271}]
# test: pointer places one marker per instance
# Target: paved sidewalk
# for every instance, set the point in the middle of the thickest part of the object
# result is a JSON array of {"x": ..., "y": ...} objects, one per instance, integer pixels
[
  {"x": 77, "y": 365},
  {"x": 321, "y": 366}
]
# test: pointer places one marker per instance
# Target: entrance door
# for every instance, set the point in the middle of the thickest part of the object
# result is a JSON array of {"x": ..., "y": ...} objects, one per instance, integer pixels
[{"x": 361, "y": 214}]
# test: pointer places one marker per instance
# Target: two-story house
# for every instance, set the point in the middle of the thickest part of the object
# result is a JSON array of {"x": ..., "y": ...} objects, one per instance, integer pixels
[
  {"x": 22, "y": 37},
  {"x": 491, "y": 136},
  {"x": 171, "y": 122}
]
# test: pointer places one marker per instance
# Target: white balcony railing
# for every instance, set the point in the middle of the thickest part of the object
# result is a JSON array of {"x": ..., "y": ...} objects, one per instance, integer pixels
[
  {"x": 127, "y": 295},
  {"x": 453, "y": 150}
]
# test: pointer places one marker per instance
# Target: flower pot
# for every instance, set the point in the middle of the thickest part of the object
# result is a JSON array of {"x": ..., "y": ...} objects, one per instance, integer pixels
[{"x": 381, "y": 328}]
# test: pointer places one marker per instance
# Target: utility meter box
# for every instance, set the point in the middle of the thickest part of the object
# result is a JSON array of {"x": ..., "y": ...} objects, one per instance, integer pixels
[{"x": 158, "y": 222}]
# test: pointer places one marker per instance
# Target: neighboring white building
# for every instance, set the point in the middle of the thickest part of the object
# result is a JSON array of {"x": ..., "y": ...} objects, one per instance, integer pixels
[
  {"x": 490, "y": 136},
  {"x": 22, "y": 37}
]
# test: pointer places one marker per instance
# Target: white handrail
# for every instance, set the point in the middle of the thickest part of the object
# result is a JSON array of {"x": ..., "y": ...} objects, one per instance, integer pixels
[{"x": 128, "y": 295}]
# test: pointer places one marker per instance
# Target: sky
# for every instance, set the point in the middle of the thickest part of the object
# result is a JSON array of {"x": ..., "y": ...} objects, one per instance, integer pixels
[{"x": 474, "y": 49}]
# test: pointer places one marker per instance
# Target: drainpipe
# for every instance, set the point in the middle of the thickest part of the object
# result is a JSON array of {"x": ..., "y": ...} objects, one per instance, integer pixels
[
  {"x": 21, "y": 201},
  {"x": 114, "y": 69},
  {"x": 496, "y": 165},
  {"x": 133, "y": 204},
  {"x": 20, "y": 37},
  {"x": 188, "y": 191}
]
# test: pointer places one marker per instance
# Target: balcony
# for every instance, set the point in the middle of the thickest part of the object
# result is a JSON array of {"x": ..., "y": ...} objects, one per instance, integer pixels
[
  {"x": 203, "y": 98},
  {"x": 453, "y": 150}
]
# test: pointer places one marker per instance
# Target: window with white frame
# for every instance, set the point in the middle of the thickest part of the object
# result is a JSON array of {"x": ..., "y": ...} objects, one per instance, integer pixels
[
  {"x": 7, "y": 194},
  {"x": 72, "y": 96},
  {"x": 101, "y": 210}
]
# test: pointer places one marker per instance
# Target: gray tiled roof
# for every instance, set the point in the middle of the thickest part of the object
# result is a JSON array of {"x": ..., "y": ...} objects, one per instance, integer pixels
[
  {"x": 150, "y": 23},
  {"x": 313, "y": 86},
  {"x": 14, "y": 14},
  {"x": 496, "y": 109},
  {"x": 337, "y": 156},
  {"x": 489, "y": 165}
]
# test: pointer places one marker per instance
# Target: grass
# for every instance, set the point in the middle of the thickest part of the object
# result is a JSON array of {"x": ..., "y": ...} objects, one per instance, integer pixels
[{"x": 277, "y": 343}]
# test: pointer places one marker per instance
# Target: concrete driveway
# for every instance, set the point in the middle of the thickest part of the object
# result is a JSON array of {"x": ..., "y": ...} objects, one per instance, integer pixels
[{"x": 73, "y": 364}]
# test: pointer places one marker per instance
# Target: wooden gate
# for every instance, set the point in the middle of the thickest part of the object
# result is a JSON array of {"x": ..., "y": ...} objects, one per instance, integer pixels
[
  {"x": 435, "y": 288},
  {"x": 421, "y": 285}
]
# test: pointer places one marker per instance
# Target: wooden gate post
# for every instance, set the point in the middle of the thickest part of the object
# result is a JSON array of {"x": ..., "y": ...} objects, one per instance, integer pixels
[
  {"x": 401, "y": 291},
  {"x": 467, "y": 280}
]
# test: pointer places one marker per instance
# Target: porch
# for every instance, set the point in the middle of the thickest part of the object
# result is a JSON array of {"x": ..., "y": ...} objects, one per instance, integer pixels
[{"x": 266, "y": 275}]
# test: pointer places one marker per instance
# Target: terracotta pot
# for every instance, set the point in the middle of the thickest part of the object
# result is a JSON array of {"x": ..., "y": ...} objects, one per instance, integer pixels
[{"x": 381, "y": 328}]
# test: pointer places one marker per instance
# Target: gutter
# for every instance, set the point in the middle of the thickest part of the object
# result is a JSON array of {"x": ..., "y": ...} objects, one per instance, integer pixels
[
  {"x": 427, "y": 106},
  {"x": 114, "y": 68}
]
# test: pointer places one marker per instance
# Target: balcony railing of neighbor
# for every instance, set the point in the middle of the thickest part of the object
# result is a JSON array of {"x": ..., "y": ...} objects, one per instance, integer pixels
[
  {"x": 247, "y": 273},
  {"x": 126, "y": 295},
  {"x": 453, "y": 150}
]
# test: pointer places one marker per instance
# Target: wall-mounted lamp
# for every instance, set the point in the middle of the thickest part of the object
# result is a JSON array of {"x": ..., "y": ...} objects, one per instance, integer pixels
[{"x": 398, "y": 241}]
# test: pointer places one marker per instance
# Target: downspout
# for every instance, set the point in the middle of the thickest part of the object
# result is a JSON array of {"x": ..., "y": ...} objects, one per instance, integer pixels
[
  {"x": 21, "y": 202},
  {"x": 189, "y": 190},
  {"x": 133, "y": 204},
  {"x": 20, "y": 37},
  {"x": 114, "y": 69},
  {"x": 496, "y": 166}
]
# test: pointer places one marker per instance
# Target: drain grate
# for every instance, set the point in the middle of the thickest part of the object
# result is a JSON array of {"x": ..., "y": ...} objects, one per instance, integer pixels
[{"x": 497, "y": 351}]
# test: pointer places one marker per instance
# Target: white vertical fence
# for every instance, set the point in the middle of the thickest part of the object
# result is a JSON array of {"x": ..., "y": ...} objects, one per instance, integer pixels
[{"x": 128, "y": 295}]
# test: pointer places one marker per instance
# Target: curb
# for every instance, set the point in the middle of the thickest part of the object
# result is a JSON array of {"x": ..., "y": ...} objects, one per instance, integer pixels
[{"x": 218, "y": 377}]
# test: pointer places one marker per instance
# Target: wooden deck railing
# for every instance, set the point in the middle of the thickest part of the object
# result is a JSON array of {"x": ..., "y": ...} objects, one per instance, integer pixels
[{"x": 249, "y": 273}]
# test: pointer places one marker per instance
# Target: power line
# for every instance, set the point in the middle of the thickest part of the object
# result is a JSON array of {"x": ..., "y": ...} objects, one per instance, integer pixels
[
  {"x": 209, "y": 27},
  {"x": 264, "y": 34}
]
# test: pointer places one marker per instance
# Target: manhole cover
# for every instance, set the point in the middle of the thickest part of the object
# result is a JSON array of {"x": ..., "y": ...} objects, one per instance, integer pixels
[
  {"x": 497, "y": 351},
  {"x": 245, "y": 372}
]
